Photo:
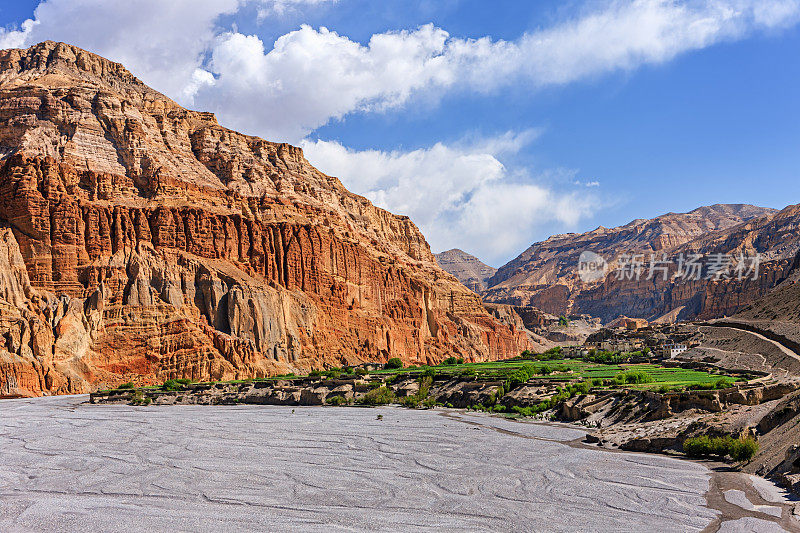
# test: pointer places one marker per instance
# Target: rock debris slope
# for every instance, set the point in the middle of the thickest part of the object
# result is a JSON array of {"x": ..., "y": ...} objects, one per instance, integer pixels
[{"x": 140, "y": 241}]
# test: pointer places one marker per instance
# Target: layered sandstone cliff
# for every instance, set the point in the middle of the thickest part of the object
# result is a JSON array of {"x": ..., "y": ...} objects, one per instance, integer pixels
[
  {"x": 142, "y": 241},
  {"x": 546, "y": 275}
]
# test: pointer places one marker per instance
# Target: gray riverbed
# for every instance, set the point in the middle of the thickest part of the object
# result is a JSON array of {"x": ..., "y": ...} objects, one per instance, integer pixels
[{"x": 70, "y": 466}]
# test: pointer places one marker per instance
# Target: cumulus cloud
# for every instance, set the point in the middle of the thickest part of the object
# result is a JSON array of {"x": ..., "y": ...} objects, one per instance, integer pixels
[
  {"x": 320, "y": 75},
  {"x": 460, "y": 195},
  {"x": 286, "y": 89},
  {"x": 161, "y": 42}
]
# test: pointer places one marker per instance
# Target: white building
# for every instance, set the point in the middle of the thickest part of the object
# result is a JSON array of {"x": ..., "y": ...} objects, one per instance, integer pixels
[{"x": 669, "y": 351}]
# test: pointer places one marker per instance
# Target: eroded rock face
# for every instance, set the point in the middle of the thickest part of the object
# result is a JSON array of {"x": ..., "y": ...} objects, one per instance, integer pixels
[
  {"x": 142, "y": 241},
  {"x": 546, "y": 275},
  {"x": 467, "y": 268}
]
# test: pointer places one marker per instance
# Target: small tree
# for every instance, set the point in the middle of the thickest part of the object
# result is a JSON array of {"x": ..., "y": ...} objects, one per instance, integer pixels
[{"x": 394, "y": 362}]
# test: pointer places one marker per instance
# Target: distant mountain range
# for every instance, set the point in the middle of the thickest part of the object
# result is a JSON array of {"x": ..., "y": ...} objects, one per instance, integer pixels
[
  {"x": 546, "y": 275},
  {"x": 467, "y": 268}
]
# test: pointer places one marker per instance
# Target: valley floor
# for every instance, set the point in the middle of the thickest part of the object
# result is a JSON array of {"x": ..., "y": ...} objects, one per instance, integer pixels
[{"x": 70, "y": 466}]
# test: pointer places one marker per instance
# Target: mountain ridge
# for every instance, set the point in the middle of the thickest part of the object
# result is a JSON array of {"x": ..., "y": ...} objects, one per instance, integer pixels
[
  {"x": 143, "y": 241},
  {"x": 546, "y": 274}
]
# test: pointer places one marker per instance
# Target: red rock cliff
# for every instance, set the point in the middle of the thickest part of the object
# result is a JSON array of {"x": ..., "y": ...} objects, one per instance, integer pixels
[{"x": 142, "y": 241}]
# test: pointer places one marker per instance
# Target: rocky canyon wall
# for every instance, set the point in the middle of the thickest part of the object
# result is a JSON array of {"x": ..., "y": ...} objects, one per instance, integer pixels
[
  {"x": 142, "y": 241},
  {"x": 546, "y": 276}
]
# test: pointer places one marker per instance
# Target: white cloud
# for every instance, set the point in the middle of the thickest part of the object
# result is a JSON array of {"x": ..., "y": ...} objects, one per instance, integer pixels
[
  {"x": 280, "y": 7},
  {"x": 161, "y": 42},
  {"x": 460, "y": 195},
  {"x": 310, "y": 76}
]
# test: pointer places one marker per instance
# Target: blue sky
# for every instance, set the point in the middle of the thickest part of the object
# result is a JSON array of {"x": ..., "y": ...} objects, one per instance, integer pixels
[{"x": 492, "y": 124}]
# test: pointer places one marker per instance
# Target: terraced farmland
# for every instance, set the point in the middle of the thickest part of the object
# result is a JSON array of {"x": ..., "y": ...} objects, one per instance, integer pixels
[{"x": 575, "y": 369}]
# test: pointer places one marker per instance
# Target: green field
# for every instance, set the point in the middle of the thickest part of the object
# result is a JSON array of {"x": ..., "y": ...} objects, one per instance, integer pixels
[
  {"x": 557, "y": 370},
  {"x": 575, "y": 369}
]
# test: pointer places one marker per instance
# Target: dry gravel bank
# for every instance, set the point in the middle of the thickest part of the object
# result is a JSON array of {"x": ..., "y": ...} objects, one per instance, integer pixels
[{"x": 71, "y": 466}]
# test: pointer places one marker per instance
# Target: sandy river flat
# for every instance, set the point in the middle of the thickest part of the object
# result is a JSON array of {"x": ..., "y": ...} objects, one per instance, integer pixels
[{"x": 70, "y": 466}]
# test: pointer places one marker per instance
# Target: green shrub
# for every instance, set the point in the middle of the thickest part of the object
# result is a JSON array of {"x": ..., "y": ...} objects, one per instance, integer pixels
[
  {"x": 348, "y": 370},
  {"x": 429, "y": 372},
  {"x": 421, "y": 396},
  {"x": 140, "y": 399},
  {"x": 739, "y": 449},
  {"x": 744, "y": 449},
  {"x": 720, "y": 446},
  {"x": 697, "y": 446},
  {"x": 460, "y": 361},
  {"x": 183, "y": 381},
  {"x": 721, "y": 383},
  {"x": 127, "y": 385},
  {"x": 378, "y": 396},
  {"x": 430, "y": 402},
  {"x": 582, "y": 387},
  {"x": 450, "y": 361},
  {"x": 315, "y": 373},
  {"x": 468, "y": 372},
  {"x": 552, "y": 353},
  {"x": 633, "y": 377},
  {"x": 604, "y": 357},
  {"x": 409, "y": 401},
  {"x": 172, "y": 385},
  {"x": 338, "y": 400},
  {"x": 361, "y": 372},
  {"x": 394, "y": 362}
]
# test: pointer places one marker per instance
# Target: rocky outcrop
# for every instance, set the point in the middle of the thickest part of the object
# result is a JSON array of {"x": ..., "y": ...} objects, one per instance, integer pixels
[
  {"x": 467, "y": 269},
  {"x": 546, "y": 275},
  {"x": 142, "y": 241},
  {"x": 776, "y": 315}
]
